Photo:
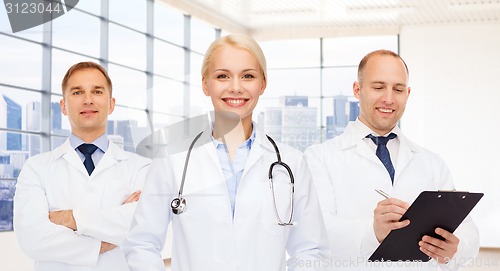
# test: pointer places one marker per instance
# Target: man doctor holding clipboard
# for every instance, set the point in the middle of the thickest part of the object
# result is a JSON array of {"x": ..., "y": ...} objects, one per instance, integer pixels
[{"x": 373, "y": 153}]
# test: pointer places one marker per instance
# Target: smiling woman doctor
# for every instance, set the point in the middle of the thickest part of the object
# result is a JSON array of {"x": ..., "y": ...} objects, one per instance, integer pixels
[{"x": 226, "y": 211}]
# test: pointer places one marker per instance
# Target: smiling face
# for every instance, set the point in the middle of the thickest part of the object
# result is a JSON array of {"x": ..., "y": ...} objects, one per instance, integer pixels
[
  {"x": 234, "y": 81},
  {"x": 87, "y": 102},
  {"x": 382, "y": 92}
]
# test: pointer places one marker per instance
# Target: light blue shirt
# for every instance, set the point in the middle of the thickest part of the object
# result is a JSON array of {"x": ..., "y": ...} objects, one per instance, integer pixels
[
  {"x": 233, "y": 170},
  {"x": 101, "y": 142}
]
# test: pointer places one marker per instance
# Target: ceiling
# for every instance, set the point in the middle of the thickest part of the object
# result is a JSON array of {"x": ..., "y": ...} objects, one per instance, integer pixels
[{"x": 275, "y": 19}]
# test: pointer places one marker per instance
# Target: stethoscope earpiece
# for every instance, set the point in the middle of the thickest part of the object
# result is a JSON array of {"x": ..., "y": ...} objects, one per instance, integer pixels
[{"x": 178, "y": 205}]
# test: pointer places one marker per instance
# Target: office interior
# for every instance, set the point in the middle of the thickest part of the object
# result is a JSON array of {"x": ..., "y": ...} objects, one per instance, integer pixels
[{"x": 154, "y": 49}]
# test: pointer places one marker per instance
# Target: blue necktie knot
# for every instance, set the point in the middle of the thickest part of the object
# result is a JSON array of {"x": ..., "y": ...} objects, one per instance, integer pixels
[
  {"x": 88, "y": 150},
  {"x": 382, "y": 140},
  {"x": 383, "y": 153}
]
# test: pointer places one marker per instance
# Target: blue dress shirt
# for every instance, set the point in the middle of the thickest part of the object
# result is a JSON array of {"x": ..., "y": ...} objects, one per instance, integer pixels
[
  {"x": 101, "y": 142},
  {"x": 233, "y": 170}
]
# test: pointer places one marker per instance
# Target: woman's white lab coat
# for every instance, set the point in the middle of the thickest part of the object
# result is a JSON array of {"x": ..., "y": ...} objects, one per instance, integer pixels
[
  {"x": 58, "y": 180},
  {"x": 346, "y": 173},
  {"x": 205, "y": 236}
]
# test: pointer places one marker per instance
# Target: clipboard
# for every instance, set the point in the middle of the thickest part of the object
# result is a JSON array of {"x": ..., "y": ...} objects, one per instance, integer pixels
[{"x": 431, "y": 209}]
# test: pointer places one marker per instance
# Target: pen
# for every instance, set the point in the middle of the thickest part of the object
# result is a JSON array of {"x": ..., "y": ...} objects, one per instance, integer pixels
[{"x": 382, "y": 193}]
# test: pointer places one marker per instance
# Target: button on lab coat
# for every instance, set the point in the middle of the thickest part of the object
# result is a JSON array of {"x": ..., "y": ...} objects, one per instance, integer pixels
[
  {"x": 205, "y": 236},
  {"x": 58, "y": 180}
]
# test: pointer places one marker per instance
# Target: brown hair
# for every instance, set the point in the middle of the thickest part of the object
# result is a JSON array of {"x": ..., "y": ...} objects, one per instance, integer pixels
[
  {"x": 365, "y": 59},
  {"x": 83, "y": 66}
]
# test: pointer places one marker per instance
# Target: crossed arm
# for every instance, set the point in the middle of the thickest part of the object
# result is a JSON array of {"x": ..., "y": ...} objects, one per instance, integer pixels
[{"x": 66, "y": 218}]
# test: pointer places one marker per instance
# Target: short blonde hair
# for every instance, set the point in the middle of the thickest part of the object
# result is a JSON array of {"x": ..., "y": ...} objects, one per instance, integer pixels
[{"x": 238, "y": 41}]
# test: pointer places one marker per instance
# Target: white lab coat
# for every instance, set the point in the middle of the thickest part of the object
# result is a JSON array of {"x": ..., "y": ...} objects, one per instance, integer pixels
[
  {"x": 346, "y": 172},
  {"x": 58, "y": 180},
  {"x": 205, "y": 236}
]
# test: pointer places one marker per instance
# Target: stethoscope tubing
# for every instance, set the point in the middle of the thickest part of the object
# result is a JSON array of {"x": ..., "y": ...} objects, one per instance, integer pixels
[
  {"x": 186, "y": 162},
  {"x": 179, "y": 204}
]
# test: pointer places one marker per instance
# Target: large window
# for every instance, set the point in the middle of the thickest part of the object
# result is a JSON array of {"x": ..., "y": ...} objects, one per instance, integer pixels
[
  {"x": 309, "y": 94},
  {"x": 21, "y": 62},
  {"x": 68, "y": 34},
  {"x": 131, "y": 13},
  {"x": 146, "y": 60},
  {"x": 153, "y": 54}
]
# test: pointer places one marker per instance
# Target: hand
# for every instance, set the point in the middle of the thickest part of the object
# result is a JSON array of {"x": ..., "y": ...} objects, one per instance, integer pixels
[
  {"x": 63, "y": 218},
  {"x": 105, "y": 247},
  {"x": 133, "y": 197},
  {"x": 439, "y": 250},
  {"x": 387, "y": 215}
]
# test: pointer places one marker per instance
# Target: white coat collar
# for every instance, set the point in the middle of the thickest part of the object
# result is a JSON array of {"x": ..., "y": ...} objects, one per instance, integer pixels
[
  {"x": 259, "y": 147},
  {"x": 260, "y": 138},
  {"x": 111, "y": 157},
  {"x": 205, "y": 151},
  {"x": 353, "y": 137},
  {"x": 355, "y": 132}
]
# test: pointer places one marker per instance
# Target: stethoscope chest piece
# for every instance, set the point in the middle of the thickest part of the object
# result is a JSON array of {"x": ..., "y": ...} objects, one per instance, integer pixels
[{"x": 178, "y": 205}]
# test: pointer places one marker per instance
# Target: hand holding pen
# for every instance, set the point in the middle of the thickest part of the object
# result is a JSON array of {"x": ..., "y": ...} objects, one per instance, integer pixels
[
  {"x": 387, "y": 215},
  {"x": 428, "y": 245}
]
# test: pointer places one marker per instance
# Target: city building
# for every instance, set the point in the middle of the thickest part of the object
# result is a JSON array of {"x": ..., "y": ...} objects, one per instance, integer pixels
[
  {"x": 293, "y": 123},
  {"x": 344, "y": 110},
  {"x": 126, "y": 133},
  {"x": 33, "y": 123},
  {"x": 10, "y": 118},
  {"x": 294, "y": 101}
]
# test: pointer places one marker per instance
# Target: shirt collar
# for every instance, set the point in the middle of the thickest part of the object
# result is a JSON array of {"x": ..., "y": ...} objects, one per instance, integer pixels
[
  {"x": 361, "y": 130},
  {"x": 248, "y": 143},
  {"x": 101, "y": 142}
]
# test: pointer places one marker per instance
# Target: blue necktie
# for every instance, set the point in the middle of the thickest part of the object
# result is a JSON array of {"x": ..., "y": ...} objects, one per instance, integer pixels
[
  {"x": 88, "y": 150},
  {"x": 383, "y": 153}
]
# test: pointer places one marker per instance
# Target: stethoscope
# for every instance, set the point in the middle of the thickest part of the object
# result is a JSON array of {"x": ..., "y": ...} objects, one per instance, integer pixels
[{"x": 179, "y": 204}]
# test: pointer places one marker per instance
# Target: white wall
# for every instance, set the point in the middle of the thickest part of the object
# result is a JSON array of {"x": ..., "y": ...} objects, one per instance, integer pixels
[
  {"x": 11, "y": 257},
  {"x": 454, "y": 108}
]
